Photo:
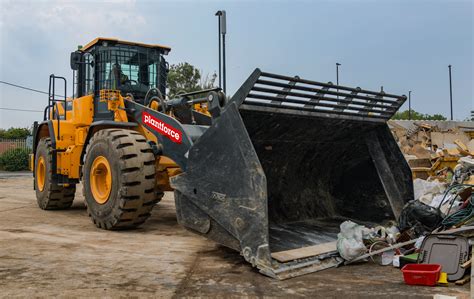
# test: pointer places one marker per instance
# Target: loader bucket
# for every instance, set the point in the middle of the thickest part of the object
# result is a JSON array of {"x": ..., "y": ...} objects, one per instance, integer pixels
[{"x": 286, "y": 162}]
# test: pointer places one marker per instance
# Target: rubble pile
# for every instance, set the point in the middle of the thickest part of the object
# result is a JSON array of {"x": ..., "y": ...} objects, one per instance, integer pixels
[{"x": 433, "y": 148}]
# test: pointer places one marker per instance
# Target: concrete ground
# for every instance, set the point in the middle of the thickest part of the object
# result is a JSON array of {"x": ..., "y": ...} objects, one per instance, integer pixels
[{"x": 61, "y": 253}]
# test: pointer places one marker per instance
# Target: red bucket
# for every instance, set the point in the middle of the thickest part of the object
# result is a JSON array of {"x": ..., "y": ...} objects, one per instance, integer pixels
[{"x": 421, "y": 274}]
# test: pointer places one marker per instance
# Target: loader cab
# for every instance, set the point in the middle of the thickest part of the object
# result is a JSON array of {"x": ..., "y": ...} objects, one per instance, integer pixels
[{"x": 111, "y": 64}]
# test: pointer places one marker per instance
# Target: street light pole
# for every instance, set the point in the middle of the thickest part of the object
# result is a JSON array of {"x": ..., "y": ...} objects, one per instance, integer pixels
[
  {"x": 222, "y": 26},
  {"x": 409, "y": 105},
  {"x": 223, "y": 31},
  {"x": 337, "y": 77},
  {"x": 218, "y": 14},
  {"x": 450, "y": 92}
]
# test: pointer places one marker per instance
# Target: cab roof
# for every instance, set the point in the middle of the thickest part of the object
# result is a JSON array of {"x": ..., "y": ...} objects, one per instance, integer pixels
[{"x": 98, "y": 40}]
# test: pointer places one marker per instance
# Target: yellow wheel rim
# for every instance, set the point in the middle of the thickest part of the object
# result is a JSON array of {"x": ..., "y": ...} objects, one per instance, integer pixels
[
  {"x": 101, "y": 179},
  {"x": 40, "y": 173}
]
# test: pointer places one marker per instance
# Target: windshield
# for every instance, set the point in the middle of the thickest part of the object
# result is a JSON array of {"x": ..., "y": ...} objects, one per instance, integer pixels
[{"x": 130, "y": 69}]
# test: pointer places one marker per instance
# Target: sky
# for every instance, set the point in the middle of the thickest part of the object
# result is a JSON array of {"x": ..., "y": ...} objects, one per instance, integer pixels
[{"x": 400, "y": 45}]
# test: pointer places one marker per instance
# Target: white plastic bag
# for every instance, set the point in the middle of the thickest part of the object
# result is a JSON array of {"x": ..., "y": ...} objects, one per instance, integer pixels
[
  {"x": 350, "y": 240},
  {"x": 425, "y": 191}
]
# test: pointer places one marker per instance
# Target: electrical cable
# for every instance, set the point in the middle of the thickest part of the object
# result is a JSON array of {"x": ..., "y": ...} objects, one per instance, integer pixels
[
  {"x": 16, "y": 109},
  {"x": 443, "y": 223},
  {"x": 25, "y": 88},
  {"x": 372, "y": 246},
  {"x": 458, "y": 216},
  {"x": 28, "y": 88},
  {"x": 447, "y": 192}
]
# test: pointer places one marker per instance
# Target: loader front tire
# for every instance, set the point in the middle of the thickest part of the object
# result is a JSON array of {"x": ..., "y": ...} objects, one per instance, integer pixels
[
  {"x": 119, "y": 179},
  {"x": 50, "y": 196}
]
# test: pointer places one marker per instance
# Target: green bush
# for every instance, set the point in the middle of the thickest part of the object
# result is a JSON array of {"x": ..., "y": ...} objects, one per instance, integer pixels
[
  {"x": 15, "y": 133},
  {"x": 14, "y": 160}
]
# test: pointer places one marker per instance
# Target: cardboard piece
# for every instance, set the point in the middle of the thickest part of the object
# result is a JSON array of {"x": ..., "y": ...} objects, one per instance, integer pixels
[{"x": 299, "y": 253}]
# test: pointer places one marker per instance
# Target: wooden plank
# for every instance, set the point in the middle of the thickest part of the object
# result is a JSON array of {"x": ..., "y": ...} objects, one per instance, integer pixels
[
  {"x": 466, "y": 264},
  {"x": 462, "y": 147},
  {"x": 299, "y": 253},
  {"x": 463, "y": 280},
  {"x": 455, "y": 230}
]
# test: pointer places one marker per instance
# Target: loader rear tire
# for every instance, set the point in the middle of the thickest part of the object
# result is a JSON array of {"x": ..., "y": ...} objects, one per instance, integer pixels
[
  {"x": 119, "y": 179},
  {"x": 50, "y": 196}
]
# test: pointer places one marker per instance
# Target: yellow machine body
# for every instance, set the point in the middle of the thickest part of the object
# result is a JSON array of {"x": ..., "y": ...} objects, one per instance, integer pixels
[{"x": 74, "y": 130}]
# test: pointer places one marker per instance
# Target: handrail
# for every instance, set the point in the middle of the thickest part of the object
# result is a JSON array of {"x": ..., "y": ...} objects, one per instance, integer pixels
[{"x": 52, "y": 101}]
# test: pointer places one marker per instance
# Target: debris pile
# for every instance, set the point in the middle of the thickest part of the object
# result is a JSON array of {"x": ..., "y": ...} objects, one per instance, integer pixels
[
  {"x": 433, "y": 148},
  {"x": 431, "y": 241}
]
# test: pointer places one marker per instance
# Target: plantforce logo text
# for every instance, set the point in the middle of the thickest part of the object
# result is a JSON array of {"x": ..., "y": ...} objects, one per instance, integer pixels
[{"x": 161, "y": 127}]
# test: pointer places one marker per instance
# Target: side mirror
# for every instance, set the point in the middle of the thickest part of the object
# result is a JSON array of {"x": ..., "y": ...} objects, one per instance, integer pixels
[{"x": 75, "y": 60}]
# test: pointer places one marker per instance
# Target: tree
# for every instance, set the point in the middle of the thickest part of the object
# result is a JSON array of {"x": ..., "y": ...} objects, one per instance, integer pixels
[
  {"x": 184, "y": 77},
  {"x": 15, "y": 133},
  {"x": 403, "y": 115}
]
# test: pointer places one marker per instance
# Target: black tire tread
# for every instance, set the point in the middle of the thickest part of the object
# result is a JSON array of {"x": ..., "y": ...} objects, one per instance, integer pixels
[
  {"x": 57, "y": 197},
  {"x": 137, "y": 167}
]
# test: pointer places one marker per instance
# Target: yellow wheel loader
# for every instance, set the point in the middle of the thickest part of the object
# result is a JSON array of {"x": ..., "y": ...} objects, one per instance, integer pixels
[{"x": 271, "y": 172}]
